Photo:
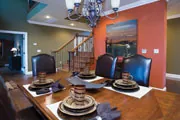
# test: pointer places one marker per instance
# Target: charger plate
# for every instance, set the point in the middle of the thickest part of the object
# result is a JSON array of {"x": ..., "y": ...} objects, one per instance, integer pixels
[
  {"x": 46, "y": 82},
  {"x": 79, "y": 110},
  {"x": 34, "y": 88},
  {"x": 86, "y": 76},
  {"x": 69, "y": 102},
  {"x": 132, "y": 88},
  {"x": 65, "y": 111}
]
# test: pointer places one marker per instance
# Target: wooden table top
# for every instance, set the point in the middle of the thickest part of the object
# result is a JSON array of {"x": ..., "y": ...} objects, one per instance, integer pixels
[{"x": 155, "y": 105}]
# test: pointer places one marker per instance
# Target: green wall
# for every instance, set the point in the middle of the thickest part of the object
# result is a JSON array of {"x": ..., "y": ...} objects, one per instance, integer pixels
[
  {"x": 13, "y": 16},
  {"x": 173, "y": 46}
]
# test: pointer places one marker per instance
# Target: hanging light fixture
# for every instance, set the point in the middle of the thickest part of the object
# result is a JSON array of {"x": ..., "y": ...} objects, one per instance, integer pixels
[{"x": 91, "y": 10}]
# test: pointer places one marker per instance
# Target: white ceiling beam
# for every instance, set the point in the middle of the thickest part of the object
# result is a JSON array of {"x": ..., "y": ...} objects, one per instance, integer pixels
[
  {"x": 129, "y": 6},
  {"x": 58, "y": 26},
  {"x": 173, "y": 16}
]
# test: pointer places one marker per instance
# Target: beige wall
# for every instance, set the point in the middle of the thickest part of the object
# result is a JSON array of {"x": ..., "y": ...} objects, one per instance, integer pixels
[
  {"x": 173, "y": 46},
  {"x": 13, "y": 14}
]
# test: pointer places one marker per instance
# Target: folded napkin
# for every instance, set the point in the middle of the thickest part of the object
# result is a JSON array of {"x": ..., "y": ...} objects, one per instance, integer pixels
[
  {"x": 42, "y": 91},
  {"x": 56, "y": 87},
  {"x": 109, "y": 82},
  {"x": 77, "y": 81},
  {"x": 105, "y": 112}
]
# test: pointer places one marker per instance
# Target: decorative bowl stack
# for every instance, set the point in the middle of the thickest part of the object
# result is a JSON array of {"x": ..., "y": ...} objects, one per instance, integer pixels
[
  {"x": 125, "y": 85},
  {"x": 68, "y": 106}
]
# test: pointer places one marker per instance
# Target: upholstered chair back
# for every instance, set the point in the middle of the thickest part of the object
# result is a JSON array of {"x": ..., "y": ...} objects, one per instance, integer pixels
[
  {"x": 139, "y": 67},
  {"x": 105, "y": 66},
  {"x": 43, "y": 63}
]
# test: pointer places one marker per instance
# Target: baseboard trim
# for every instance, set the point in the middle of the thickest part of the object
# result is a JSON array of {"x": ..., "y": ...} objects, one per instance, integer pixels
[
  {"x": 173, "y": 16},
  {"x": 164, "y": 89},
  {"x": 172, "y": 76},
  {"x": 28, "y": 73}
]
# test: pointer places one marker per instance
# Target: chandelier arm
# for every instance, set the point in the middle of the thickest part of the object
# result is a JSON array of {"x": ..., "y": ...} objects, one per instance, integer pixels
[
  {"x": 112, "y": 18},
  {"x": 90, "y": 19},
  {"x": 74, "y": 19}
]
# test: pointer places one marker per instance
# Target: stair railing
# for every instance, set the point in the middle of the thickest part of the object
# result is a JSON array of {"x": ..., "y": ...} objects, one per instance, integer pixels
[
  {"x": 82, "y": 55},
  {"x": 61, "y": 54}
]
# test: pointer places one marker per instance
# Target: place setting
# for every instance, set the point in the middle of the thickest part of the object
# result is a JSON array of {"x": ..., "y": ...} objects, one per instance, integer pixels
[
  {"x": 86, "y": 74},
  {"x": 80, "y": 106},
  {"x": 128, "y": 86},
  {"x": 43, "y": 85},
  {"x": 126, "y": 83}
]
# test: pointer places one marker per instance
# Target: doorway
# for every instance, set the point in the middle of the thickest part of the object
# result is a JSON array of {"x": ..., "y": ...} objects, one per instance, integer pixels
[{"x": 13, "y": 50}]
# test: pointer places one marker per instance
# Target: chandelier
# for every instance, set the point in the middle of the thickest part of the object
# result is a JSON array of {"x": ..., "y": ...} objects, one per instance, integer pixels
[{"x": 90, "y": 9}]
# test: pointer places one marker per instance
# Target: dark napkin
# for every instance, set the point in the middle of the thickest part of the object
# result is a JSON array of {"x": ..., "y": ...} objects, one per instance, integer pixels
[
  {"x": 109, "y": 82},
  {"x": 42, "y": 91},
  {"x": 56, "y": 87},
  {"x": 74, "y": 73},
  {"x": 105, "y": 111}
]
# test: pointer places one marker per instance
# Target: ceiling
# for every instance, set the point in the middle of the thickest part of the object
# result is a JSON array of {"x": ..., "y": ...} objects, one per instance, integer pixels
[
  {"x": 56, "y": 10},
  {"x": 173, "y": 7}
]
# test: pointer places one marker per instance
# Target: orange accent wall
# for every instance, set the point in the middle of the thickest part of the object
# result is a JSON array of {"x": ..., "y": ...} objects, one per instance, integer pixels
[{"x": 151, "y": 35}]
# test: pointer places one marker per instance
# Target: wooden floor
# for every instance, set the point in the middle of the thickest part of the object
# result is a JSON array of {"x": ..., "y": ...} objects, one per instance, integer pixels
[{"x": 21, "y": 102}]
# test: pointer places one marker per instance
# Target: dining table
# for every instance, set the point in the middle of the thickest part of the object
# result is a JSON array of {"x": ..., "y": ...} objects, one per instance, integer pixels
[{"x": 155, "y": 105}]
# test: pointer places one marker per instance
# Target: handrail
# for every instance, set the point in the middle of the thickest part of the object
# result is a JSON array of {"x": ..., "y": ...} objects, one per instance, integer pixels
[
  {"x": 74, "y": 49},
  {"x": 64, "y": 45}
]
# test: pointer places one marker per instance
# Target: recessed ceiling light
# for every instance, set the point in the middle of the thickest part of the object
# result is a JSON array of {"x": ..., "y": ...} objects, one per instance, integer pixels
[
  {"x": 47, "y": 16},
  {"x": 72, "y": 24}
]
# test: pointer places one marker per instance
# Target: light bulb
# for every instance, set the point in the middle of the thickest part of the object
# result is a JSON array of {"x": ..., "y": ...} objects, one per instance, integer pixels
[
  {"x": 115, "y": 4},
  {"x": 70, "y": 5}
]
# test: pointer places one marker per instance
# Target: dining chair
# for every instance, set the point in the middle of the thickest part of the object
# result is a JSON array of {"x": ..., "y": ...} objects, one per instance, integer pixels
[
  {"x": 105, "y": 66},
  {"x": 7, "y": 110},
  {"x": 118, "y": 68},
  {"x": 6, "y": 107},
  {"x": 139, "y": 67},
  {"x": 43, "y": 63}
]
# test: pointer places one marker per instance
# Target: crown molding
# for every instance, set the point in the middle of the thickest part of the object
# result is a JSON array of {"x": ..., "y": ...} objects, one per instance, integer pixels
[
  {"x": 172, "y": 76},
  {"x": 28, "y": 73},
  {"x": 129, "y": 6},
  {"x": 173, "y": 16},
  {"x": 58, "y": 26}
]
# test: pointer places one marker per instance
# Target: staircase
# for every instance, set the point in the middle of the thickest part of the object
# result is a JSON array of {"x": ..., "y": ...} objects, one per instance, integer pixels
[{"x": 75, "y": 55}]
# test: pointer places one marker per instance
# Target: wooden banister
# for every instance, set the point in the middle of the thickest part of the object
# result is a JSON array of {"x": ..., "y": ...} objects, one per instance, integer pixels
[
  {"x": 74, "y": 49},
  {"x": 64, "y": 45}
]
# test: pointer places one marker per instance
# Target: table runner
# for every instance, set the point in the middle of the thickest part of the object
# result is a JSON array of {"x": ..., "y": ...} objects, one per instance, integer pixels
[{"x": 137, "y": 94}]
